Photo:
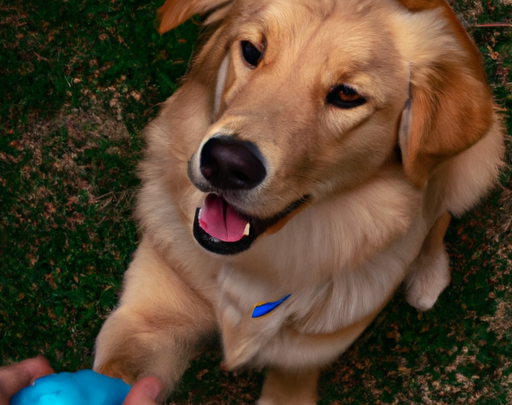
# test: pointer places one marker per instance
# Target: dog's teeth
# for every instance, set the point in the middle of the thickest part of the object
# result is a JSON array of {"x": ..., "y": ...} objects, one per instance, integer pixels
[{"x": 247, "y": 229}]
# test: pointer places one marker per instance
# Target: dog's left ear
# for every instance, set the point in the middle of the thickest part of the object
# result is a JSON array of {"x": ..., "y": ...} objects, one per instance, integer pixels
[
  {"x": 175, "y": 12},
  {"x": 450, "y": 106}
]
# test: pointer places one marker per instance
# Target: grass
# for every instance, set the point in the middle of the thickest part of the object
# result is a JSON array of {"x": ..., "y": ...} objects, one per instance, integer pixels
[{"x": 79, "y": 80}]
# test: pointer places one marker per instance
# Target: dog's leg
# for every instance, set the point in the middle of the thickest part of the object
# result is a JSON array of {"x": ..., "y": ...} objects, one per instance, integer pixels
[
  {"x": 283, "y": 387},
  {"x": 160, "y": 325},
  {"x": 429, "y": 274}
]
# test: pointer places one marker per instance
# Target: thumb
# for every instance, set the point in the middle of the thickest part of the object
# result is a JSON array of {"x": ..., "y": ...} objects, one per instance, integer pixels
[
  {"x": 16, "y": 376},
  {"x": 144, "y": 392}
]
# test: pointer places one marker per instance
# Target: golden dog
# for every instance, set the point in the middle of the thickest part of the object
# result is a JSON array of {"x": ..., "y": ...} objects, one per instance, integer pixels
[{"x": 307, "y": 167}]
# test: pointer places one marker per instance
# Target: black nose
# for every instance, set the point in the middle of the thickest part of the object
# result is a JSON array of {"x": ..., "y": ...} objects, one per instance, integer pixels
[{"x": 231, "y": 164}]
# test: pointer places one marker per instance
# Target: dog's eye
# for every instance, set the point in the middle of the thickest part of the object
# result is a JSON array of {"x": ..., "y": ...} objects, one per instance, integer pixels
[
  {"x": 344, "y": 96},
  {"x": 251, "y": 53}
]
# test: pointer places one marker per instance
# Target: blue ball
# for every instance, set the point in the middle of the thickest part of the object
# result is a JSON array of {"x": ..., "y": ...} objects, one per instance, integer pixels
[{"x": 85, "y": 387}]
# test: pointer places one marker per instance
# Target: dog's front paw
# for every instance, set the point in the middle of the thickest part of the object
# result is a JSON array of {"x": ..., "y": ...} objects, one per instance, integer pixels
[
  {"x": 267, "y": 401},
  {"x": 287, "y": 401},
  {"x": 131, "y": 349},
  {"x": 285, "y": 387},
  {"x": 428, "y": 276}
]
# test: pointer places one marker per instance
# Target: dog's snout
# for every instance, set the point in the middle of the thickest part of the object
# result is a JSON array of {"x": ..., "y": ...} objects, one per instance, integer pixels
[{"x": 231, "y": 164}]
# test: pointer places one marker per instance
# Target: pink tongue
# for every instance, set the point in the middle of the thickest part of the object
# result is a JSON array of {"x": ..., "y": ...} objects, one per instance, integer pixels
[{"x": 219, "y": 220}]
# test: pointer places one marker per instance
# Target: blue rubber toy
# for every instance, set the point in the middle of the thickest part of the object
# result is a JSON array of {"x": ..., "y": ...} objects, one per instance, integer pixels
[{"x": 85, "y": 387}]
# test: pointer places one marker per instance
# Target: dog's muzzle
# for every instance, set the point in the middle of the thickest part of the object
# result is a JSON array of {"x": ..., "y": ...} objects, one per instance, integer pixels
[{"x": 230, "y": 165}]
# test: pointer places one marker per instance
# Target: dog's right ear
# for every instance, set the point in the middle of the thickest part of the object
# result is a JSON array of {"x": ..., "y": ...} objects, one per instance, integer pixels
[{"x": 175, "y": 12}]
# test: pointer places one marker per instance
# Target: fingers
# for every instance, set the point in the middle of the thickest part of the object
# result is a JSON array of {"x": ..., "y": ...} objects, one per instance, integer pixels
[
  {"x": 16, "y": 376},
  {"x": 144, "y": 392}
]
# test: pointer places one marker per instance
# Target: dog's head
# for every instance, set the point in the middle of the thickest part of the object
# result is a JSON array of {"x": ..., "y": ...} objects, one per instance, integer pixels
[{"x": 311, "y": 98}]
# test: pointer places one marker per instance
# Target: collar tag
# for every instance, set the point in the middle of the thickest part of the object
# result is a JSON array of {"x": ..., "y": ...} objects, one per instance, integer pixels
[{"x": 264, "y": 308}]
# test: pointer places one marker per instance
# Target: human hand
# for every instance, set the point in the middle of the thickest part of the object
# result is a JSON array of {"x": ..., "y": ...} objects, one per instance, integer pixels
[{"x": 16, "y": 376}]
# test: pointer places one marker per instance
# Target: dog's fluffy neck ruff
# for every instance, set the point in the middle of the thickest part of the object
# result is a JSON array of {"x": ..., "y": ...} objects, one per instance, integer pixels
[{"x": 314, "y": 281}]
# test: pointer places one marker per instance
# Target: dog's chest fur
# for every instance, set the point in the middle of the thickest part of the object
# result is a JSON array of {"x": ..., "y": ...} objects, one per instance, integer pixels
[{"x": 329, "y": 292}]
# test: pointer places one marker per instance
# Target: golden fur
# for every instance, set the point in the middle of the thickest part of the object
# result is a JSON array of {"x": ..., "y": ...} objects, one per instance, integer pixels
[{"x": 381, "y": 180}]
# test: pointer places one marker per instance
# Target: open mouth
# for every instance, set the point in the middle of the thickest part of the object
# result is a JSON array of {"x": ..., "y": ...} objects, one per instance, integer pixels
[{"x": 222, "y": 229}]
